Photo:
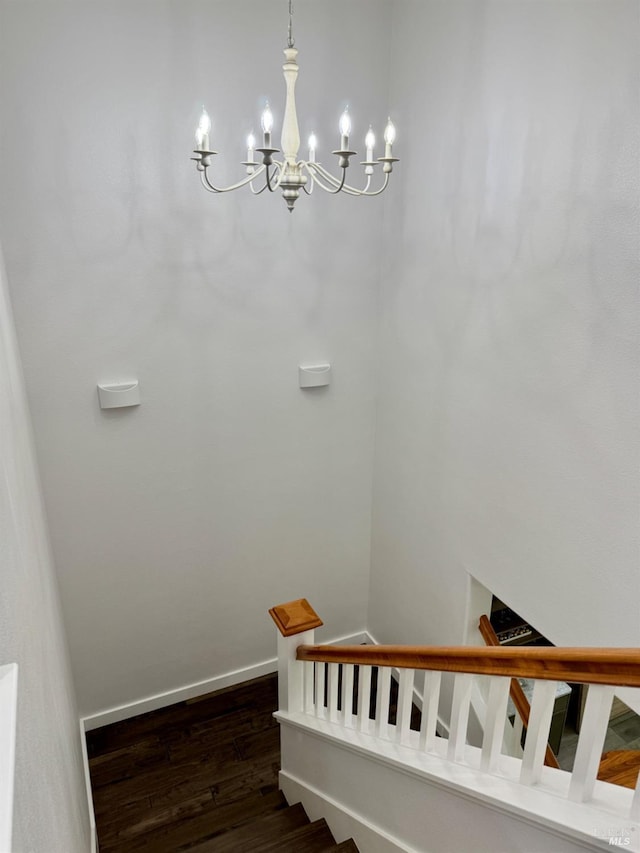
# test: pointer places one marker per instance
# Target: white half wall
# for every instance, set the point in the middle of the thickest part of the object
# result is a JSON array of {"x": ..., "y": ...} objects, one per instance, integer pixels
[
  {"x": 50, "y": 801},
  {"x": 390, "y": 798},
  {"x": 177, "y": 524},
  {"x": 507, "y": 441}
]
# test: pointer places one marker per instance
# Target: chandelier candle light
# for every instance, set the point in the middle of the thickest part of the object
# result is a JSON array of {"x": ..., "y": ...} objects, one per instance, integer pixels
[{"x": 290, "y": 174}]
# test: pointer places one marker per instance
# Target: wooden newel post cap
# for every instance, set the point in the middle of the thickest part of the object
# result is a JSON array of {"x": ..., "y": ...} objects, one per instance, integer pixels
[{"x": 294, "y": 617}]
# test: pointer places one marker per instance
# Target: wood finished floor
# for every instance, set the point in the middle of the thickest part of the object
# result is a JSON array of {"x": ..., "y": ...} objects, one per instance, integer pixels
[
  {"x": 623, "y": 733},
  {"x": 202, "y": 776},
  {"x": 177, "y": 778},
  {"x": 173, "y": 779}
]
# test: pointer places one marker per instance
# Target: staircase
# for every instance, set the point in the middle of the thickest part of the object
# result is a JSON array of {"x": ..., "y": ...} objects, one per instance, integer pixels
[
  {"x": 283, "y": 829},
  {"x": 200, "y": 776},
  {"x": 360, "y": 748},
  {"x": 354, "y": 750}
]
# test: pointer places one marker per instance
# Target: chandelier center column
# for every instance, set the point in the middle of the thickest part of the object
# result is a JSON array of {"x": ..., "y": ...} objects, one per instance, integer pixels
[{"x": 290, "y": 139}]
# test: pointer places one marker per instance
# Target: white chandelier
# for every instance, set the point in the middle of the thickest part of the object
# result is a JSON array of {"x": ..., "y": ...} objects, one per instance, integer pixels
[{"x": 290, "y": 174}]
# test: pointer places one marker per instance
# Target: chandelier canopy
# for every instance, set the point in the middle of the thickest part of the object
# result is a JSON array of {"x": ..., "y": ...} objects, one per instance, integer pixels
[{"x": 288, "y": 173}]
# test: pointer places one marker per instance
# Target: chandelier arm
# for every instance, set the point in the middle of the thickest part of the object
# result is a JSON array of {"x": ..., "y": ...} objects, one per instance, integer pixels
[
  {"x": 316, "y": 180},
  {"x": 269, "y": 187},
  {"x": 279, "y": 171},
  {"x": 344, "y": 178},
  {"x": 205, "y": 183},
  {"x": 279, "y": 175},
  {"x": 212, "y": 188},
  {"x": 333, "y": 181},
  {"x": 258, "y": 192},
  {"x": 349, "y": 189},
  {"x": 380, "y": 190},
  {"x": 336, "y": 184},
  {"x": 355, "y": 192}
]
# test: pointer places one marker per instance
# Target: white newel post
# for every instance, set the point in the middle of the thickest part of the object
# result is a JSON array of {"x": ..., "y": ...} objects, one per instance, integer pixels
[
  {"x": 296, "y": 622},
  {"x": 291, "y": 671}
]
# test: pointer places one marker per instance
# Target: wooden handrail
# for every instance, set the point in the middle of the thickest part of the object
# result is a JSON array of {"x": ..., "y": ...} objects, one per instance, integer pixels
[
  {"x": 520, "y": 701},
  {"x": 618, "y": 667}
]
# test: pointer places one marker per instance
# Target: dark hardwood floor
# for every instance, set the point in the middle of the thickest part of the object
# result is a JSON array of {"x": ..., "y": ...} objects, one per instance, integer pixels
[
  {"x": 202, "y": 776},
  {"x": 177, "y": 778}
]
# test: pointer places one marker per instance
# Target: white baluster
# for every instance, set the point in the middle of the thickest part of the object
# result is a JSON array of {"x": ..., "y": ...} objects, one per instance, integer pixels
[
  {"x": 309, "y": 687},
  {"x": 332, "y": 696},
  {"x": 494, "y": 723},
  {"x": 544, "y": 695},
  {"x": 593, "y": 730},
  {"x": 405, "y": 703},
  {"x": 364, "y": 697},
  {"x": 430, "y": 702},
  {"x": 347, "y": 695},
  {"x": 459, "y": 716},
  {"x": 513, "y": 736},
  {"x": 382, "y": 701},
  {"x": 320, "y": 683},
  {"x": 518, "y": 727}
]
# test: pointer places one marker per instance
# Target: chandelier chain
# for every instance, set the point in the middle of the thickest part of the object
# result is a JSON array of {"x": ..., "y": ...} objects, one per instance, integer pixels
[{"x": 291, "y": 40}]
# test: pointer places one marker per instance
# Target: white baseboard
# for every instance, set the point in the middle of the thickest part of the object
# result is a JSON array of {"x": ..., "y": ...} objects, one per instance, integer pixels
[
  {"x": 369, "y": 639},
  {"x": 349, "y": 639},
  {"x": 199, "y": 688},
  {"x": 342, "y": 822},
  {"x": 180, "y": 694},
  {"x": 87, "y": 782},
  {"x": 170, "y": 697}
]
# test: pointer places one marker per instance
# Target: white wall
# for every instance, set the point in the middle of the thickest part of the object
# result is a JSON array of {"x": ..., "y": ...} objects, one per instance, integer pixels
[
  {"x": 507, "y": 431},
  {"x": 176, "y": 525},
  {"x": 506, "y": 428},
  {"x": 50, "y": 806}
]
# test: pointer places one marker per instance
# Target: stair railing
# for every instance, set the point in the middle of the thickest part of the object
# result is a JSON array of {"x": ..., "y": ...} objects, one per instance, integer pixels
[
  {"x": 350, "y": 688},
  {"x": 517, "y": 694}
]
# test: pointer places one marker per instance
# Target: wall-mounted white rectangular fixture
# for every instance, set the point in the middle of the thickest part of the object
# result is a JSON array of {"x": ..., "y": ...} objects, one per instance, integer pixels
[
  {"x": 119, "y": 396},
  {"x": 314, "y": 375}
]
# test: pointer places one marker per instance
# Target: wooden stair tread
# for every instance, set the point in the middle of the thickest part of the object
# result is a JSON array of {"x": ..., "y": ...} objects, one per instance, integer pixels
[
  {"x": 210, "y": 823},
  {"x": 348, "y": 846},
  {"x": 316, "y": 837},
  {"x": 620, "y": 767},
  {"x": 200, "y": 776},
  {"x": 247, "y": 837}
]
